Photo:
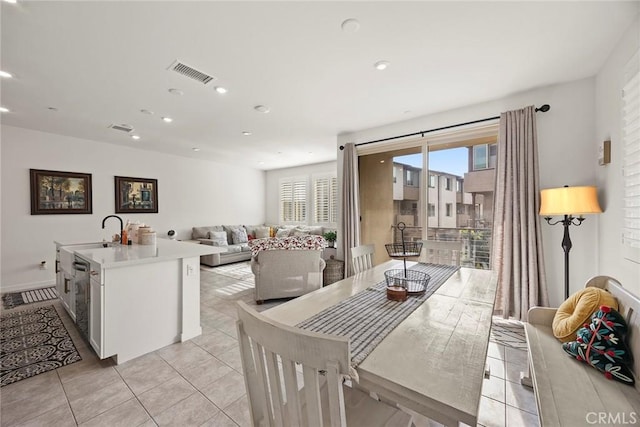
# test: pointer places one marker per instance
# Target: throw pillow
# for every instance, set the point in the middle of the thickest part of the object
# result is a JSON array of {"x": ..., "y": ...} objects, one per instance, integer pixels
[
  {"x": 283, "y": 232},
  {"x": 601, "y": 345},
  {"x": 577, "y": 310},
  {"x": 239, "y": 235},
  {"x": 203, "y": 232},
  {"x": 219, "y": 238},
  {"x": 262, "y": 232}
]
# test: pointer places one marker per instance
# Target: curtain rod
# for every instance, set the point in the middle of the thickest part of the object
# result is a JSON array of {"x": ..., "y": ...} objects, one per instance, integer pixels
[{"x": 544, "y": 108}]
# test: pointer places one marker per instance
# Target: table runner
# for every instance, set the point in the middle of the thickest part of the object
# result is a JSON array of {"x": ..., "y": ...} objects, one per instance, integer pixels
[{"x": 368, "y": 316}]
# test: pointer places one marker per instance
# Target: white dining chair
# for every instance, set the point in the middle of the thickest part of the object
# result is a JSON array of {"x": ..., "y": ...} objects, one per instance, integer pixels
[
  {"x": 271, "y": 355},
  {"x": 442, "y": 251},
  {"x": 362, "y": 257}
]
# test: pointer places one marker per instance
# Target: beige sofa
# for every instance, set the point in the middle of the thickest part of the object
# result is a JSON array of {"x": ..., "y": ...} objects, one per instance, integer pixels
[{"x": 286, "y": 273}]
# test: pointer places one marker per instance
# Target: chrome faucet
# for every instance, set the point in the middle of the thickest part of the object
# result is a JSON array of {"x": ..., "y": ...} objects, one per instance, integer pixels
[{"x": 119, "y": 219}]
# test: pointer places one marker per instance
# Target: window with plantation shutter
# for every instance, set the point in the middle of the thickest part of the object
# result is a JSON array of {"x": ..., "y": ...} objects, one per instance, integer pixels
[
  {"x": 325, "y": 198},
  {"x": 631, "y": 162},
  {"x": 293, "y": 200}
]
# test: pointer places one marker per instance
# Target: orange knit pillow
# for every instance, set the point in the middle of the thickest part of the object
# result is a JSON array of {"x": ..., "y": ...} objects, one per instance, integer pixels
[{"x": 577, "y": 310}]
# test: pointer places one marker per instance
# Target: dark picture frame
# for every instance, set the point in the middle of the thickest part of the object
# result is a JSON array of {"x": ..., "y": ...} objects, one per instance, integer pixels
[
  {"x": 56, "y": 192},
  {"x": 136, "y": 195}
]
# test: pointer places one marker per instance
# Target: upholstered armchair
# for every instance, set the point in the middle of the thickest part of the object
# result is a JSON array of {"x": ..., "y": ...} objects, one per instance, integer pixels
[{"x": 285, "y": 273}]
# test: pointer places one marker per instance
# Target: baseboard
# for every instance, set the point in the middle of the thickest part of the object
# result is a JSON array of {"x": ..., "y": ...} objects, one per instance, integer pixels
[{"x": 19, "y": 287}]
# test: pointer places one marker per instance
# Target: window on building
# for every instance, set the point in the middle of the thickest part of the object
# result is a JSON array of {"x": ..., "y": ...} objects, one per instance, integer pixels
[
  {"x": 394, "y": 175},
  {"x": 449, "y": 209},
  {"x": 484, "y": 156},
  {"x": 458, "y": 186},
  {"x": 325, "y": 198},
  {"x": 447, "y": 184},
  {"x": 431, "y": 209},
  {"x": 410, "y": 175},
  {"x": 432, "y": 181},
  {"x": 480, "y": 157},
  {"x": 293, "y": 199}
]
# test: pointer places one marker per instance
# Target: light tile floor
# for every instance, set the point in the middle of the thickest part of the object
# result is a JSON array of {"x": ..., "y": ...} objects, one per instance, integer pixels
[{"x": 199, "y": 382}]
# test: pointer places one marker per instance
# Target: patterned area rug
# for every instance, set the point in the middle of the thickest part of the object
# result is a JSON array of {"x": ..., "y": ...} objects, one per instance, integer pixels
[
  {"x": 14, "y": 299},
  {"x": 508, "y": 332},
  {"x": 33, "y": 342}
]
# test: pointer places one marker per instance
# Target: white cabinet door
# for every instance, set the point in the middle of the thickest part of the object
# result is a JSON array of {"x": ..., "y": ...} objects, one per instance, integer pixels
[{"x": 96, "y": 313}]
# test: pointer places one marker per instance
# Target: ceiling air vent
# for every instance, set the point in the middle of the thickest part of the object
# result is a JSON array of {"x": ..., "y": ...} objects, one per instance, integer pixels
[
  {"x": 123, "y": 128},
  {"x": 191, "y": 72}
]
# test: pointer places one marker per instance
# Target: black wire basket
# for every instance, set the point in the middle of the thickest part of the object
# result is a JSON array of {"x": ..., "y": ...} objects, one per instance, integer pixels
[
  {"x": 403, "y": 249},
  {"x": 414, "y": 281}
]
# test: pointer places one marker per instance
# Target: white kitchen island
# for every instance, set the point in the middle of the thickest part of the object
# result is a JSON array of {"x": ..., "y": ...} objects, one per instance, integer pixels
[{"x": 138, "y": 298}]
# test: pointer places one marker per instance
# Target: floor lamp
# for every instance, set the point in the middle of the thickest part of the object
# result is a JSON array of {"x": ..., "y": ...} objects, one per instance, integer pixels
[{"x": 572, "y": 202}]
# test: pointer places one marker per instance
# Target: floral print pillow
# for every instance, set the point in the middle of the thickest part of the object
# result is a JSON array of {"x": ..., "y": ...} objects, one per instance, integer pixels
[
  {"x": 288, "y": 243},
  {"x": 601, "y": 345}
]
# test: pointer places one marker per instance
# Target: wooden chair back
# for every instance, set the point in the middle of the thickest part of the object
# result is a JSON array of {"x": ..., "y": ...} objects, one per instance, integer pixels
[
  {"x": 442, "y": 252},
  {"x": 270, "y": 351},
  {"x": 362, "y": 257}
]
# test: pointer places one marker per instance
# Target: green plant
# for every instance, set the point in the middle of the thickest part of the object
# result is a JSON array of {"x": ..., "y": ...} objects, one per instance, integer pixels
[{"x": 330, "y": 236}]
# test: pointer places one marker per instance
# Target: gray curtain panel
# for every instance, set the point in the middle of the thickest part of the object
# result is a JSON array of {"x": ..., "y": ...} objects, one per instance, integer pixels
[
  {"x": 350, "y": 218},
  {"x": 517, "y": 243}
]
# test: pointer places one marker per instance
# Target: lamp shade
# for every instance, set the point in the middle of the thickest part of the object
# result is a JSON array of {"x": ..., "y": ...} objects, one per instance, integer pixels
[{"x": 569, "y": 201}]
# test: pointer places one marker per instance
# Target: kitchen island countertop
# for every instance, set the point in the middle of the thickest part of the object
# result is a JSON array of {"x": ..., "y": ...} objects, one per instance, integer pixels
[{"x": 125, "y": 255}]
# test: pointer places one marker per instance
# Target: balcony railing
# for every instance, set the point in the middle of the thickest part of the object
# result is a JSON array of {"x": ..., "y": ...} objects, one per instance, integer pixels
[{"x": 476, "y": 242}]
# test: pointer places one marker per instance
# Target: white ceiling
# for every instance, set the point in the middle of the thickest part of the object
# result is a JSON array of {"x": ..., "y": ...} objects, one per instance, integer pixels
[{"x": 100, "y": 63}]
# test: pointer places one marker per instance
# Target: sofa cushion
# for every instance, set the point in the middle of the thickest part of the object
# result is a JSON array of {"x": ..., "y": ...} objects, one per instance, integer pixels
[
  {"x": 239, "y": 235},
  {"x": 284, "y": 232},
  {"x": 232, "y": 249},
  {"x": 203, "y": 232},
  {"x": 306, "y": 229},
  {"x": 219, "y": 238}
]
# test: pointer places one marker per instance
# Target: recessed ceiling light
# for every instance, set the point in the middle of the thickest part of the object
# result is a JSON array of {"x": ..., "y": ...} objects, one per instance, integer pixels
[
  {"x": 261, "y": 163},
  {"x": 52, "y": 109},
  {"x": 4, "y": 110},
  {"x": 195, "y": 149},
  {"x": 381, "y": 65},
  {"x": 167, "y": 119},
  {"x": 261, "y": 109},
  {"x": 350, "y": 25},
  {"x": 147, "y": 112},
  {"x": 220, "y": 89},
  {"x": 5, "y": 74},
  {"x": 136, "y": 137},
  {"x": 310, "y": 152},
  {"x": 381, "y": 161},
  {"x": 178, "y": 92},
  {"x": 246, "y": 133}
]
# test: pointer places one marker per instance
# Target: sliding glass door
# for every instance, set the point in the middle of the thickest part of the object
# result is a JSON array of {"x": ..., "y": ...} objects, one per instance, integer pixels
[{"x": 440, "y": 192}]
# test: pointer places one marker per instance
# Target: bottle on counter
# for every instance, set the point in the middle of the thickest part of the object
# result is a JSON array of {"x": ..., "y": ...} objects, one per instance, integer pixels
[{"x": 124, "y": 237}]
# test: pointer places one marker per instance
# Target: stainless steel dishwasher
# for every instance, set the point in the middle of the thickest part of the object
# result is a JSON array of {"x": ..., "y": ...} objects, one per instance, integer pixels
[{"x": 82, "y": 282}]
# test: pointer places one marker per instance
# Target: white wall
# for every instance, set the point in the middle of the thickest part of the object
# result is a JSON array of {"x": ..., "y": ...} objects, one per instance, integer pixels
[
  {"x": 272, "y": 185},
  {"x": 609, "y": 82},
  {"x": 190, "y": 193},
  {"x": 567, "y": 154}
]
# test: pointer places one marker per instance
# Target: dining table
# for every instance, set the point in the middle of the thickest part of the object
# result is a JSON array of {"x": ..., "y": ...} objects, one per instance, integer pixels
[{"x": 433, "y": 361}]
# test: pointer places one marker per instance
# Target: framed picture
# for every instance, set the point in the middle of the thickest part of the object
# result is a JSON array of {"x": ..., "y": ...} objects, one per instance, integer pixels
[
  {"x": 55, "y": 192},
  {"x": 136, "y": 195}
]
